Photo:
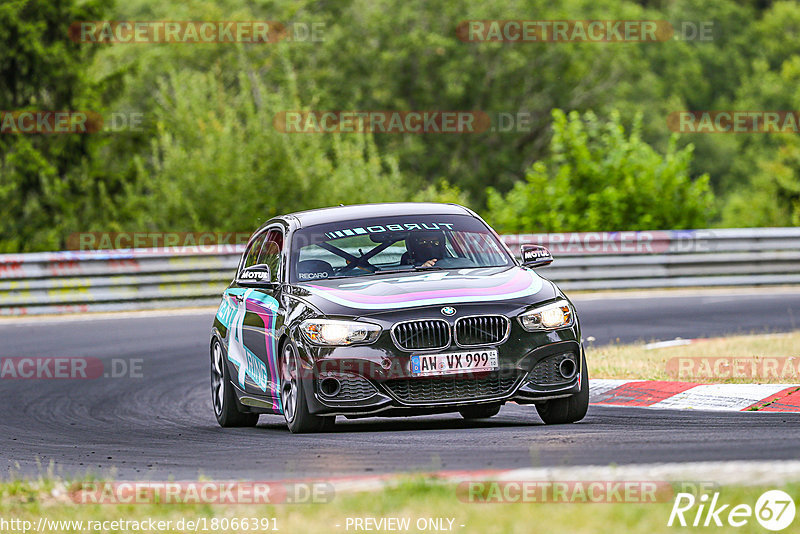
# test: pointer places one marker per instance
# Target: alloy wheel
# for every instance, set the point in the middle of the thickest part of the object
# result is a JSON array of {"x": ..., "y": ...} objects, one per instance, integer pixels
[
  {"x": 217, "y": 378},
  {"x": 289, "y": 384}
]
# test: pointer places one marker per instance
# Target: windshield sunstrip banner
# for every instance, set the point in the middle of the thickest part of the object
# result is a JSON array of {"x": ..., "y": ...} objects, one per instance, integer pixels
[{"x": 383, "y": 228}]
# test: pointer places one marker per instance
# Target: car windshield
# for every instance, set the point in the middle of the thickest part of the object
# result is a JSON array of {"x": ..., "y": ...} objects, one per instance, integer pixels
[{"x": 389, "y": 244}]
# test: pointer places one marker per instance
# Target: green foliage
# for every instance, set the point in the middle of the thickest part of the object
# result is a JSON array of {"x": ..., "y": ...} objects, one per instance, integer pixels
[
  {"x": 210, "y": 158},
  {"x": 40, "y": 69},
  {"x": 389, "y": 54},
  {"x": 218, "y": 162},
  {"x": 39, "y": 65},
  {"x": 773, "y": 195},
  {"x": 599, "y": 177}
]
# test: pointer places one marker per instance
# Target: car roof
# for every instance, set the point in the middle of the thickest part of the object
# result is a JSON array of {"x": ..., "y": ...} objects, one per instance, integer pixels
[{"x": 364, "y": 211}]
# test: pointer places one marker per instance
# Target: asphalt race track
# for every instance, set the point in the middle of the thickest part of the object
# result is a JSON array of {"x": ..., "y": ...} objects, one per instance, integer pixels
[{"x": 161, "y": 425}]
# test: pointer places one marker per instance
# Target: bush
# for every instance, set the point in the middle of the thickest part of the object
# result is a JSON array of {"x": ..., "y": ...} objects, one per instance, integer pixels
[
  {"x": 597, "y": 177},
  {"x": 772, "y": 197},
  {"x": 218, "y": 163}
]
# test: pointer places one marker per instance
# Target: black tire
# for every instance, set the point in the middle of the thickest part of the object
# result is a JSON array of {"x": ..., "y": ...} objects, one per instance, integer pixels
[
  {"x": 481, "y": 411},
  {"x": 293, "y": 398},
  {"x": 569, "y": 409},
  {"x": 223, "y": 398}
]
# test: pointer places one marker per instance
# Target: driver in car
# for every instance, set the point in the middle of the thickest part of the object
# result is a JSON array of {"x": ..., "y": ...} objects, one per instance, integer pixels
[{"x": 424, "y": 249}]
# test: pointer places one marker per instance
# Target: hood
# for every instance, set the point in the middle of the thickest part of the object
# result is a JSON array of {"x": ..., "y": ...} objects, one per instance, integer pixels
[{"x": 397, "y": 291}]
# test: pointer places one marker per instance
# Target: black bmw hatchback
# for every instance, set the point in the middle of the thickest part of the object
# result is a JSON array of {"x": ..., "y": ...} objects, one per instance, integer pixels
[{"x": 392, "y": 310}]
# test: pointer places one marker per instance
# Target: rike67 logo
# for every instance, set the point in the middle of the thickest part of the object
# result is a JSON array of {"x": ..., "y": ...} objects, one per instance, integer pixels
[{"x": 774, "y": 510}]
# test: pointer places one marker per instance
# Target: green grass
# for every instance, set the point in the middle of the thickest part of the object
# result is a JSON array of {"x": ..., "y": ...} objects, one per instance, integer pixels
[
  {"x": 753, "y": 351},
  {"x": 414, "y": 498}
]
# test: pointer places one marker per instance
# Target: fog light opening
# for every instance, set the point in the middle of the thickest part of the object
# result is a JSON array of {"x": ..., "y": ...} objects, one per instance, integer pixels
[
  {"x": 330, "y": 387},
  {"x": 567, "y": 368}
]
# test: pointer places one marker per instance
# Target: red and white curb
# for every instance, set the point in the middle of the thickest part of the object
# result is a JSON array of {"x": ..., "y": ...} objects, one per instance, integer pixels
[{"x": 694, "y": 396}]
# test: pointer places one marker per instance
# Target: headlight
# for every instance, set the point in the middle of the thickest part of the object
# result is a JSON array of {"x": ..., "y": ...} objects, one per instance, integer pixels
[
  {"x": 549, "y": 317},
  {"x": 332, "y": 332}
]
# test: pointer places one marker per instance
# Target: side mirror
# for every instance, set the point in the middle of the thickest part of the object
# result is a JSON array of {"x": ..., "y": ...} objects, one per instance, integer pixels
[
  {"x": 256, "y": 276},
  {"x": 535, "y": 256}
]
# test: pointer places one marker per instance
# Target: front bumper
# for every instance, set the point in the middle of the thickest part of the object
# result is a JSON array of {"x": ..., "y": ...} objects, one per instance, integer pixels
[{"x": 376, "y": 379}]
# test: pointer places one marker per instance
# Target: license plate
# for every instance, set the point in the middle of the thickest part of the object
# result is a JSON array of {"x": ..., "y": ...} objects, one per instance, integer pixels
[{"x": 455, "y": 362}]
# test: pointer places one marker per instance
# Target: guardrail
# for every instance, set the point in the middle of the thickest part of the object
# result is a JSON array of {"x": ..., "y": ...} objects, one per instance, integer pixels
[{"x": 83, "y": 281}]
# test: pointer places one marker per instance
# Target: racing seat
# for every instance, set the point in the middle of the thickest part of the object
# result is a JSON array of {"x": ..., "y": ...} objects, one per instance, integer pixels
[{"x": 313, "y": 270}]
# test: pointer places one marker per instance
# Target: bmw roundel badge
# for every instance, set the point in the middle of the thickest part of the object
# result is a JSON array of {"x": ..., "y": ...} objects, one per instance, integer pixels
[{"x": 448, "y": 310}]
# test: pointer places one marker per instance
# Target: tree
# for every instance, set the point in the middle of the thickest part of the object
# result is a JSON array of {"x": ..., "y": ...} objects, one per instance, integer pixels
[
  {"x": 772, "y": 197},
  {"x": 219, "y": 163},
  {"x": 597, "y": 177},
  {"x": 41, "y": 176}
]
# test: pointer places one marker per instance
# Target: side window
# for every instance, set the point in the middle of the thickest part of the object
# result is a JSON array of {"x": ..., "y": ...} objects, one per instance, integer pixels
[
  {"x": 271, "y": 252},
  {"x": 252, "y": 253}
]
